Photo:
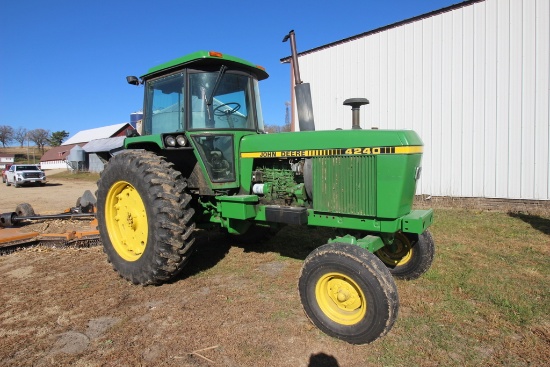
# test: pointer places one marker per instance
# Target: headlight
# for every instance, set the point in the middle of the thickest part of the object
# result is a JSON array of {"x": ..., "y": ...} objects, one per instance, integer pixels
[
  {"x": 170, "y": 141},
  {"x": 180, "y": 139}
]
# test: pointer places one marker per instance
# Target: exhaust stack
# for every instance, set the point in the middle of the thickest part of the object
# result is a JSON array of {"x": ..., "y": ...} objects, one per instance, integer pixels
[
  {"x": 301, "y": 90},
  {"x": 355, "y": 104}
]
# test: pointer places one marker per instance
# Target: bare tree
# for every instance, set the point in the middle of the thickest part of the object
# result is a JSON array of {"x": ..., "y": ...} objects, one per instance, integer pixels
[
  {"x": 6, "y": 134},
  {"x": 40, "y": 137},
  {"x": 272, "y": 129},
  {"x": 19, "y": 135},
  {"x": 277, "y": 128}
]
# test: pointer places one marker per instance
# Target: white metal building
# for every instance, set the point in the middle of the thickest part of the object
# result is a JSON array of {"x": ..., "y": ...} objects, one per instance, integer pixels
[{"x": 472, "y": 79}]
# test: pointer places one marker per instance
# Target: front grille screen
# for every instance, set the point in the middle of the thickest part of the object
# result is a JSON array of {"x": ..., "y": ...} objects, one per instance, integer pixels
[{"x": 345, "y": 185}]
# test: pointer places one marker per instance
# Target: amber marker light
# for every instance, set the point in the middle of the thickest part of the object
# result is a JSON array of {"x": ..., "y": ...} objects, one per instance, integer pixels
[
  {"x": 215, "y": 54},
  {"x": 260, "y": 67}
]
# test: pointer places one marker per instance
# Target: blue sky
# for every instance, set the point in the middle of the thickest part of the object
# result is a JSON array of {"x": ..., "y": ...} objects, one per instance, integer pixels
[{"x": 64, "y": 62}]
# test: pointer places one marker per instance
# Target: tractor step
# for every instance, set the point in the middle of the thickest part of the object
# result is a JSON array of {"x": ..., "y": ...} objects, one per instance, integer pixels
[{"x": 286, "y": 214}]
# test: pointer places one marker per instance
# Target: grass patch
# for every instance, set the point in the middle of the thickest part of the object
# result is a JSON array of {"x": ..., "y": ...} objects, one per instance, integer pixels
[
  {"x": 76, "y": 176},
  {"x": 486, "y": 295}
]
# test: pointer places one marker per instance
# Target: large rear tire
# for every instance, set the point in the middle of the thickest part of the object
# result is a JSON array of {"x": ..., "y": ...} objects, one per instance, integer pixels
[
  {"x": 348, "y": 293},
  {"x": 410, "y": 256},
  {"x": 144, "y": 217}
]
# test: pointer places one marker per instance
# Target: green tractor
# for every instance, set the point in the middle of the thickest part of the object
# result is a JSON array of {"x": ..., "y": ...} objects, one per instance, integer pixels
[{"x": 203, "y": 159}]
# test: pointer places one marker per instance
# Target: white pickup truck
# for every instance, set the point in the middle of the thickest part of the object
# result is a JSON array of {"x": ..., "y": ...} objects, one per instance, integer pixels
[{"x": 25, "y": 174}]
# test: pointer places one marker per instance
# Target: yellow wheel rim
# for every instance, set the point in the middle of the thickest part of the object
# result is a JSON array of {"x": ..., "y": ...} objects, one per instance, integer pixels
[
  {"x": 401, "y": 255},
  {"x": 126, "y": 220},
  {"x": 341, "y": 299}
]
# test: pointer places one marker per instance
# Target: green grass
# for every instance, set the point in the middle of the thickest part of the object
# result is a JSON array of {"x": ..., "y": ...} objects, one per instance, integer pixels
[{"x": 487, "y": 293}]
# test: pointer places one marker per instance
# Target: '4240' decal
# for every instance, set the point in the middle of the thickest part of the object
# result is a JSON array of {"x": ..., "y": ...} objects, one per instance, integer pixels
[{"x": 416, "y": 149}]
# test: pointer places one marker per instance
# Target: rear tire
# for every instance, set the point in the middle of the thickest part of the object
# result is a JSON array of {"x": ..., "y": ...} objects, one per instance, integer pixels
[
  {"x": 348, "y": 293},
  {"x": 145, "y": 221},
  {"x": 412, "y": 257}
]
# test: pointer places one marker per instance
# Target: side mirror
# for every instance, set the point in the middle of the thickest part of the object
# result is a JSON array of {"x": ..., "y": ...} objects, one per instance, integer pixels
[{"x": 132, "y": 80}]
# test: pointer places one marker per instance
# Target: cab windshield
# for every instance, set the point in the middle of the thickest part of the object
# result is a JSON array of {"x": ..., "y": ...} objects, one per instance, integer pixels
[{"x": 221, "y": 100}]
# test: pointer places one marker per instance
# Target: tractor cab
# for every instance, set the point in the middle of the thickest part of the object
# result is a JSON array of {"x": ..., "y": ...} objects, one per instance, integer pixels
[
  {"x": 202, "y": 91},
  {"x": 205, "y": 101}
]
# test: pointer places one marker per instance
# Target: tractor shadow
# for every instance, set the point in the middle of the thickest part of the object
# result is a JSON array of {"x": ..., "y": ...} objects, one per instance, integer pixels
[
  {"x": 295, "y": 242},
  {"x": 539, "y": 223},
  {"x": 322, "y": 360}
]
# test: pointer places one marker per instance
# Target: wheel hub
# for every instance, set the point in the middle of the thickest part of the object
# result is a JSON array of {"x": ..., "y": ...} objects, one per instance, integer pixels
[
  {"x": 340, "y": 298},
  {"x": 343, "y": 295},
  {"x": 399, "y": 253}
]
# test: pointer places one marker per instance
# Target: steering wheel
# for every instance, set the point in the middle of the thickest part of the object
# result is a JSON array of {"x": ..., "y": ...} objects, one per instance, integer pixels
[{"x": 230, "y": 111}]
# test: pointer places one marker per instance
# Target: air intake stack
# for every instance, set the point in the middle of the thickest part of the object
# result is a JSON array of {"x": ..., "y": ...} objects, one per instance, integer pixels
[{"x": 355, "y": 104}]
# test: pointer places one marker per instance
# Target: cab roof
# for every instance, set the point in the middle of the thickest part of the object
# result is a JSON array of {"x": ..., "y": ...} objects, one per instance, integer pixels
[{"x": 207, "y": 58}]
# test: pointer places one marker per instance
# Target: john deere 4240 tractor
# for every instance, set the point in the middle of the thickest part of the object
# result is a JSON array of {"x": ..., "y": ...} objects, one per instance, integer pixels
[{"x": 203, "y": 159}]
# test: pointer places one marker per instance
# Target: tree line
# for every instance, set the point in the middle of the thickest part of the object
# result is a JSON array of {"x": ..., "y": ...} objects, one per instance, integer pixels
[
  {"x": 277, "y": 128},
  {"x": 40, "y": 137}
]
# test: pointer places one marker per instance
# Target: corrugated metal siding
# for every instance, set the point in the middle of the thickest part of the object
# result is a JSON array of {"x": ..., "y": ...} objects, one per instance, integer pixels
[
  {"x": 95, "y": 164},
  {"x": 473, "y": 82}
]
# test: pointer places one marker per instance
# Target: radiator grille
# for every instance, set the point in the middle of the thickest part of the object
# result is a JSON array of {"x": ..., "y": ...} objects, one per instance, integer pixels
[{"x": 345, "y": 185}]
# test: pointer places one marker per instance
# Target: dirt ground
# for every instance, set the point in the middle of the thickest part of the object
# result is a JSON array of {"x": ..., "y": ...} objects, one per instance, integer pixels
[
  {"x": 53, "y": 198},
  {"x": 233, "y": 305},
  {"x": 230, "y": 307}
]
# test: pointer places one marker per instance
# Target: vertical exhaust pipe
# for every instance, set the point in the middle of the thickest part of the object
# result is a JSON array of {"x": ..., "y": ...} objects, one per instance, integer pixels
[{"x": 301, "y": 90}]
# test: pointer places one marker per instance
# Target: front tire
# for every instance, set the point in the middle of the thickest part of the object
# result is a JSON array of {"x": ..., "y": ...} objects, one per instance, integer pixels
[
  {"x": 348, "y": 293},
  {"x": 145, "y": 221},
  {"x": 410, "y": 256}
]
